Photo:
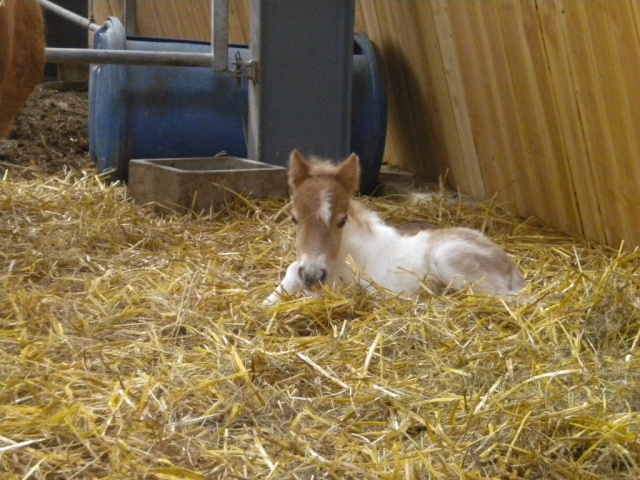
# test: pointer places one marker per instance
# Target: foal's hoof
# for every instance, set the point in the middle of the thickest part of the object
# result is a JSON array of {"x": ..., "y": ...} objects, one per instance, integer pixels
[{"x": 271, "y": 300}]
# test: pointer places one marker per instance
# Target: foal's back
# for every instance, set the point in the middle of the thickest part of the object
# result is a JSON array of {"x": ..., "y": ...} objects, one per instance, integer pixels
[{"x": 401, "y": 260}]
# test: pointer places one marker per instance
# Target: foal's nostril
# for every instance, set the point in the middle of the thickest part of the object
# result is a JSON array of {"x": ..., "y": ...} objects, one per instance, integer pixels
[
  {"x": 323, "y": 275},
  {"x": 312, "y": 276}
]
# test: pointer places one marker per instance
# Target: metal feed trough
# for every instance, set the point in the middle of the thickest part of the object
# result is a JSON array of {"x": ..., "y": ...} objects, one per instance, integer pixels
[{"x": 201, "y": 183}]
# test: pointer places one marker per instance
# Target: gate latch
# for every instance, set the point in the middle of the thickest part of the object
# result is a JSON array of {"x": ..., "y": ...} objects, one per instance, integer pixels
[{"x": 248, "y": 69}]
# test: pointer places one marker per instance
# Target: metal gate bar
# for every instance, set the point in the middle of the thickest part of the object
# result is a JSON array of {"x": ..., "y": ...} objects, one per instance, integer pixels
[
  {"x": 217, "y": 60},
  {"x": 69, "y": 15}
]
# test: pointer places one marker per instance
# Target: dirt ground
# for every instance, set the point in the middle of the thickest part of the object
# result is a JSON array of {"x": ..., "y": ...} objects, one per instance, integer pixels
[{"x": 50, "y": 132}]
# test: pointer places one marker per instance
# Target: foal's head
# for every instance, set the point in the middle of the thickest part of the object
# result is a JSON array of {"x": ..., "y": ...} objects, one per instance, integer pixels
[{"x": 321, "y": 192}]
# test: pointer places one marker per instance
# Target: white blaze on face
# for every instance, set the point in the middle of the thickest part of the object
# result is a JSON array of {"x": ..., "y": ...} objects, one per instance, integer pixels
[{"x": 324, "y": 211}]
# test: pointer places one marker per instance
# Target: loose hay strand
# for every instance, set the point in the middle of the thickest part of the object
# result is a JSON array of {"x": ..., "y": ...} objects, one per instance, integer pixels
[{"x": 134, "y": 345}]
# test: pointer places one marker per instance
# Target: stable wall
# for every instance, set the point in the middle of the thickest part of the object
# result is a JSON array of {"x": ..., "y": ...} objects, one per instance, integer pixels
[{"x": 534, "y": 103}]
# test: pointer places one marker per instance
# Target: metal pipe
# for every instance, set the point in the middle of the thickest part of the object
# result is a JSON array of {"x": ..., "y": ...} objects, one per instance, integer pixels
[
  {"x": 130, "y": 17},
  {"x": 129, "y": 57},
  {"x": 219, "y": 35},
  {"x": 69, "y": 15},
  {"x": 218, "y": 59}
]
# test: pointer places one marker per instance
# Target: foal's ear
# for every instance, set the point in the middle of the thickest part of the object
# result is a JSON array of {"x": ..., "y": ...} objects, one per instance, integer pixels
[
  {"x": 298, "y": 169},
  {"x": 349, "y": 173}
]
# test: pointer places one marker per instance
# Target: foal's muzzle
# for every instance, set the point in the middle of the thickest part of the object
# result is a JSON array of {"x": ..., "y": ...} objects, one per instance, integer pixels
[{"x": 311, "y": 275}]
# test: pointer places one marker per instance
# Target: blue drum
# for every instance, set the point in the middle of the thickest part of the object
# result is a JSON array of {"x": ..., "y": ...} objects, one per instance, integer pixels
[{"x": 172, "y": 112}]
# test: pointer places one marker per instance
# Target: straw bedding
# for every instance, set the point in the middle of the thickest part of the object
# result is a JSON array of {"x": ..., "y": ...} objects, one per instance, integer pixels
[{"x": 134, "y": 345}]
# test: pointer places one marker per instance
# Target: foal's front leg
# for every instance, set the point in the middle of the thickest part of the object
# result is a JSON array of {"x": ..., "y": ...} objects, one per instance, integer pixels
[{"x": 290, "y": 284}]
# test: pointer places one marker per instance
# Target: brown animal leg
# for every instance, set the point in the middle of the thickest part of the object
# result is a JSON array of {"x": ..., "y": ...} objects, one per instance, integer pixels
[{"x": 22, "y": 61}]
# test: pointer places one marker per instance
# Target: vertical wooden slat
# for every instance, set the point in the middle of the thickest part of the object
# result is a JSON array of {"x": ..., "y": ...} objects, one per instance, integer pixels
[
  {"x": 103, "y": 9},
  {"x": 545, "y": 177},
  {"x": 596, "y": 91},
  {"x": 611, "y": 122},
  {"x": 149, "y": 24},
  {"x": 585, "y": 81},
  {"x": 486, "y": 86},
  {"x": 569, "y": 132},
  {"x": 458, "y": 98}
]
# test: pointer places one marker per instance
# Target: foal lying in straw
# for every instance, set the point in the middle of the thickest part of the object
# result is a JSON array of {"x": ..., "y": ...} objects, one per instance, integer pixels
[{"x": 331, "y": 226}]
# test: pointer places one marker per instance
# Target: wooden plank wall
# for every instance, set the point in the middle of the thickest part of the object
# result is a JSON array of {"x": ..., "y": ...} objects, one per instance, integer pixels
[
  {"x": 185, "y": 19},
  {"x": 533, "y": 102}
]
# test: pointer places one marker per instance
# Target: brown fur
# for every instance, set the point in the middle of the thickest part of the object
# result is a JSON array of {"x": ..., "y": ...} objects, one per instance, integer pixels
[
  {"x": 301, "y": 169},
  {"x": 322, "y": 175},
  {"x": 488, "y": 259},
  {"x": 411, "y": 229},
  {"x": 22, "y": 60}
]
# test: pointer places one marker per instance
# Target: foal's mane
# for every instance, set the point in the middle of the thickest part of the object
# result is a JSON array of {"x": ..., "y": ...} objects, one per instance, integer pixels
[
  {"x": 321, "y": 167},
  {"x": 361, "y": 216},
  {"x": 358, "y": 212}
]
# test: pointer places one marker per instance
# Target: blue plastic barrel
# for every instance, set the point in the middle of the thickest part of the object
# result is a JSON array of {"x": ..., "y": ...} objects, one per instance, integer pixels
[{"x": 175, "y": 112}]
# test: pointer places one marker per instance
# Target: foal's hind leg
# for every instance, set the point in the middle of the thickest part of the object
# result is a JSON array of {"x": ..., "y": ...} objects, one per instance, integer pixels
[{"x": 484, "y": 265}]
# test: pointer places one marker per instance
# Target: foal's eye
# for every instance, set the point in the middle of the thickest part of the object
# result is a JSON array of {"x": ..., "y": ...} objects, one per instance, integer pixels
[
  {"x": 294, "y": 219},
  {"x": 342, "y": 222}
]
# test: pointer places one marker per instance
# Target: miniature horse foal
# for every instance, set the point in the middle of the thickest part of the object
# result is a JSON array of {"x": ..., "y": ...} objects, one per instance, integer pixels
[{"x": 331, "y": 226}]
